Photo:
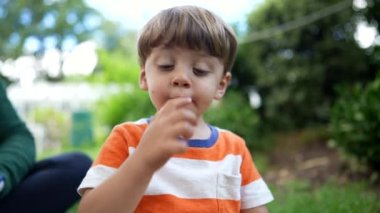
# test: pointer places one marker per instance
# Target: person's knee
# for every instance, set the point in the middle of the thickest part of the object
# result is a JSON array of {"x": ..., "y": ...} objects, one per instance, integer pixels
[
  {"x": 80, "y": 158},
  {"x": 75, "y": 162}
]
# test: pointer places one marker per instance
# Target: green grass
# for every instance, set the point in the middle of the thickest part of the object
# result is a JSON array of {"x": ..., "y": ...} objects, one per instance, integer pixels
[
  {"x": 300, "y": 197},
  {"x": 74, "y": 208}
]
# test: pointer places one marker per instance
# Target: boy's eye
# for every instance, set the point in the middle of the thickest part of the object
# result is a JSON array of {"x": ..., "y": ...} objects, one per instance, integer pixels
[
  {"x": 200, "y": 72},
  {"x": 166, "y": 67}
]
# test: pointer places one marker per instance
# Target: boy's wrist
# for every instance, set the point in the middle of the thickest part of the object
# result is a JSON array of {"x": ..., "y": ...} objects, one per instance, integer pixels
[
  {"x": 138, "y": 165},
  {"x": 147, "y": 166}
]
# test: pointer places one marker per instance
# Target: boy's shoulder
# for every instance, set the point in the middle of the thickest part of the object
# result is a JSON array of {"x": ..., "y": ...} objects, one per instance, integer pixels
[
  {"x": 137, "y": 126},
  {"x": 137, "y": 123},
  {"x": 230, "y": 136},
  {"x": 231, "y": 142}
]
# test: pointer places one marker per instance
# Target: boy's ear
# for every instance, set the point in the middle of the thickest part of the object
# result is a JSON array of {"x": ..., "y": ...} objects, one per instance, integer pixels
[
  {"x": 143, "y": 83},
  {"x": 222, "y": 87}
]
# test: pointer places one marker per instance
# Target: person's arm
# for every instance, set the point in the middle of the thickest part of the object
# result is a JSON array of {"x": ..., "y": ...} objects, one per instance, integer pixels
[
  {"x": 259, "y": 209},
  {"x": 17, "y": 148},
  {"x": 123, "y": 191}
]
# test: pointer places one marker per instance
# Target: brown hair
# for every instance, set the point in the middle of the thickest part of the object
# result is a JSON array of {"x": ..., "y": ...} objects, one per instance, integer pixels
[{"x": 189, "y": 27}]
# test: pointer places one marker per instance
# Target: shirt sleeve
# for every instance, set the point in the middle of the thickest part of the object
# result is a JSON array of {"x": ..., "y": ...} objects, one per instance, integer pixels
[
  {"x": 17, "y": 148},
  {"x": 254, "y": 191},
  {"x": 112, "y": 154}
]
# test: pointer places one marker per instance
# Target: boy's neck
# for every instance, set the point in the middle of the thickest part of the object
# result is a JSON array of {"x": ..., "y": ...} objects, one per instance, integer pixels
[{"x": 202, "y": 130}]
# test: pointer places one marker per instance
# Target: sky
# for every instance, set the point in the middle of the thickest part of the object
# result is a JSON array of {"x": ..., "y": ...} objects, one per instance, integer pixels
[{"x": 132, "y": 14}]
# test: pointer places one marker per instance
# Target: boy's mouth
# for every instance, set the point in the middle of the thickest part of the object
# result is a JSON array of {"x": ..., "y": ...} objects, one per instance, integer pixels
[
  {"x": 180, "y": 97},
  {"x": 183, "y": 96}
]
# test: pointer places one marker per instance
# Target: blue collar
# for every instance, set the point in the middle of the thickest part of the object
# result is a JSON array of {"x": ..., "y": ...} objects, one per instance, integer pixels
[
  {"x": 205, "y": 143},
  {"x": 201, "y": 143}
]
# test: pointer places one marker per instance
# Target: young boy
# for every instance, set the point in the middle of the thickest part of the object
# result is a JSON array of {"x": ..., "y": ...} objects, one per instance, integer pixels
[{"x": 175, "y": 161}]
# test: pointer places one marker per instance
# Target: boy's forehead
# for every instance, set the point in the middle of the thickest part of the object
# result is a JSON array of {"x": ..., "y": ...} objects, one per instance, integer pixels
[{"x": 163, "y": 49}]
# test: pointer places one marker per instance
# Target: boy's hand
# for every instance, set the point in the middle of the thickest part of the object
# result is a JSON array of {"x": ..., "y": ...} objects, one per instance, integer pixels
[{"x": 167, "y": 133}]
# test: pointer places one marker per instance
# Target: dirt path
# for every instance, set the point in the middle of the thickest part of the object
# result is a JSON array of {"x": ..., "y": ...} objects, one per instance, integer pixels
[{"x": 299, "y": 157}]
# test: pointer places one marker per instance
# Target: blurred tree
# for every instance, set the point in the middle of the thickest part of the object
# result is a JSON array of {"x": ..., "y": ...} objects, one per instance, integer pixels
[
  {"x": 42, "y": 23},
  {"x": 372, "y": 13},
  {"x": 355, "y": 122},
  {"x": 113, "y": 38},
  {"x": 309, "y": 49},
  {"x": 118, "y": 61},
  {"x": 116, "y": 67}
]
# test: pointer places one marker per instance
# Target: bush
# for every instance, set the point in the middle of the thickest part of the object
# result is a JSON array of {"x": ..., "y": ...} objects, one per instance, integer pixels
[
  {"x": 234, "y": 113},
  {"x": 56, "y": 125},
  {"x": 355, "y": 122},
  {"x": 124, "y": 106}
]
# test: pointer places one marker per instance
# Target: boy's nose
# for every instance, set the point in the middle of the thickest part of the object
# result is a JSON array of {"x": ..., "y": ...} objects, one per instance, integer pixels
[{"x": 181, "y": 80}]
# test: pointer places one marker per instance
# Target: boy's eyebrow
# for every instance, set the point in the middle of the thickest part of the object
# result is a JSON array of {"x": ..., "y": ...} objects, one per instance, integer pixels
[
  {"x": 204, "y": 54},
  {"x": 209, "y": 58}
]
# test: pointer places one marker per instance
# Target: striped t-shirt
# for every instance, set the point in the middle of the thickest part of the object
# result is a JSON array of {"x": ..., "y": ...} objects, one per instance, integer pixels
[{"x": 213, "y": 175}]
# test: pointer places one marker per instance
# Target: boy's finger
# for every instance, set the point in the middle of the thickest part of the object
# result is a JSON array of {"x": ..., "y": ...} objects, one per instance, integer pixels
[
  {"x": 178, "y": 102},
  {"x": 183, "y": 131},
  {"x": 180, "y": 147}
]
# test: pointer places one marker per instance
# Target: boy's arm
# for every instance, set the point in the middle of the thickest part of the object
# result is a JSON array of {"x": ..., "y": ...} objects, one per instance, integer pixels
[
  {"x": 259, "y": 209},
  {"x": 123, "y": 191}
]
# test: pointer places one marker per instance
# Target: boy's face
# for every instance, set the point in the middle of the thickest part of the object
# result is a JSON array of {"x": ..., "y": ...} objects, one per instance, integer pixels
[{"x": 179, "y": 72}]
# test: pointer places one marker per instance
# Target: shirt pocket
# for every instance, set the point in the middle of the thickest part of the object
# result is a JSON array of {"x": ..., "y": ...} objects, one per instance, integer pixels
[{"x": 228, "y": 186}]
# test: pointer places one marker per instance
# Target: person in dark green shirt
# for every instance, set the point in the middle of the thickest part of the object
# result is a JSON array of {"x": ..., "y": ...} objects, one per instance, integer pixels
[{"x": 29, "y": 186}]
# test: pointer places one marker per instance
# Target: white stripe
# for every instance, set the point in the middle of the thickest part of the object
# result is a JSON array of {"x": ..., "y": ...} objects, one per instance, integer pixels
[
  {"x": 141, "y": 121},
  {"x": 184, "y": 178},
  {"x": 255, "y": 194},
  {"x": 95, "y": 176},
  {"x": 137, "y": 122},
  {"x": 196, "y": 179}
]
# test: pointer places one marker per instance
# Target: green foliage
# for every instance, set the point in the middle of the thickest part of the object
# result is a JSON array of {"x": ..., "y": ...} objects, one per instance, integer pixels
[
  {"x": 128, "y": 104},
  {"x": 56, "y": 124},
  {"x": 300, "y": 197},
  {"x": 124, "y": 106},
  {"x": 296, "y": 71},
  {"x": 372, "y": 14},
  {"x": 234, "y": 113},
  {"x": 355, "y": 122},
  {"x": 46, "y": 114},
  {"x": 45, "y": 21},
  {"x": 115, "y": 39},
  {"x": 116, "y": 67}
]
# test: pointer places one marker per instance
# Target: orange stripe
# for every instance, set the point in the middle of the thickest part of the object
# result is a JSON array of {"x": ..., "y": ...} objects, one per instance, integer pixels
[
  {"x": 226, "y": 144},
  {"x": 248, "y": 168},
  {"x": 169, "y": 203},
  {"x": 115, "y": 149}
]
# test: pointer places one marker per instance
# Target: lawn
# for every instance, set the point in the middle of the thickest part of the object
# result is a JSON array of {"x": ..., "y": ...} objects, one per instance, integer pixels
[{"x": 330, "y": 198}]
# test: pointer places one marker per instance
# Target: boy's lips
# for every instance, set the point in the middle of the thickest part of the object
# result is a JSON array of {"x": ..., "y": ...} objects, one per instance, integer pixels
[
  {"x": 181, "y": 96},
  {"x": 174, "y": 97},
  {"x": 192, "y": 105}
]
